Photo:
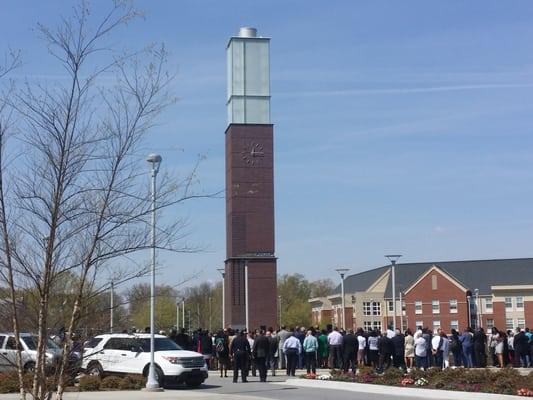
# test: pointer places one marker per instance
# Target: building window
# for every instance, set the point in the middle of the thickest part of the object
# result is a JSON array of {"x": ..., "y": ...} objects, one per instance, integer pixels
[
  {"x": 376, "y": 308},
  {"x": 436, "y": 326},
  {"x": 366, "y": 308},
  {"x": 418, "y": 307},
  {"x": 434, "y": 282},
  {"x": 519, "y": 303},
  {"x": 367, "y": 325},
  {"x": 509, "y": 323},
  {"x": 419, "y": 324},
  {"x": 488, "y": 304},
  {"x": 508, "y": 303},
  {"x": 391, "y": 306},
  {"x": 490, "y": 323},
  {"x": 454, "y": 324},
  {"x": 453, "y": 306},
  {"x": 435, "y": 306},
  {"x": 377, "y": 325},
  {"x": 521, "y": 323}
]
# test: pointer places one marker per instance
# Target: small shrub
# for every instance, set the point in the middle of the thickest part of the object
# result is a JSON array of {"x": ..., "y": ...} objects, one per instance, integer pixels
[
  {"x": 9, "y": 382},
  {"x": 132, "y": 382},
  {"x": 89, "y": 383},
  {"x": 111, "y": 382}
]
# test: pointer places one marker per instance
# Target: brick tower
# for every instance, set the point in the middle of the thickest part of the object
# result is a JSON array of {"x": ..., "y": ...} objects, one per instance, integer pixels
[{"x": 250, "y": 268}]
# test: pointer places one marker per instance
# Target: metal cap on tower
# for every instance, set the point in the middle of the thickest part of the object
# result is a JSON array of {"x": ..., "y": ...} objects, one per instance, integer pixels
[{"x": 248, "y": 32}]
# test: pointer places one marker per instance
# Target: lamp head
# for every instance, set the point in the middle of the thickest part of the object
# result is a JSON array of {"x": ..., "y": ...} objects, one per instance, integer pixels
[
  {"x": 342, "y": 271},
  {"x": 393, "y": 257},
  {"x": 155, "y": 160},
  {"x": 222, "y": 271}
]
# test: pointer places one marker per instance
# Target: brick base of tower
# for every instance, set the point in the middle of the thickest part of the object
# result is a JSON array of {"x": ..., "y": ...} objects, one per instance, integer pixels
[
  {"x": 262, "y": 289},
  {"x": 250, "y": 226}
]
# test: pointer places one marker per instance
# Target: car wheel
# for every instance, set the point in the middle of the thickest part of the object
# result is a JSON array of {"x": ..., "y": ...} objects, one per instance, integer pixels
[
  {"x": 159, "y": 376},
  {"x": 194, "y": 383},
  {"x": 95, "y": 369},
  {"x": 29, "y": 368}
]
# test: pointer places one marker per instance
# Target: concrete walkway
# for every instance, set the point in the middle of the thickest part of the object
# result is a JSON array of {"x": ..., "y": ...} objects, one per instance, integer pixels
[
  {"x": 433, "y": 394},
  {"x": 140, "y": 395}
]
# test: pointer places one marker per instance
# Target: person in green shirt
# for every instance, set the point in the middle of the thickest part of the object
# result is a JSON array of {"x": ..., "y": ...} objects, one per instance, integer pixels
[{"x": 323, "y": 352}]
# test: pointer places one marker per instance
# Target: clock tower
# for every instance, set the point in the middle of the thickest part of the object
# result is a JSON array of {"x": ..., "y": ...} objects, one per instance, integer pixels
[{"x": 250, "y": 283}]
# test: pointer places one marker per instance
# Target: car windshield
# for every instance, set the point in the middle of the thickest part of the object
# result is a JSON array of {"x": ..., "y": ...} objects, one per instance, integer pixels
[
  {"x": 161, "y": 344},
  {"x": 31, "y": 342}
]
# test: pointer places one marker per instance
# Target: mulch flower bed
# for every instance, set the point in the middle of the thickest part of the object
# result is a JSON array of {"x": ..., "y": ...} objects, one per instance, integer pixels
[{"x": 503, "y": 381}]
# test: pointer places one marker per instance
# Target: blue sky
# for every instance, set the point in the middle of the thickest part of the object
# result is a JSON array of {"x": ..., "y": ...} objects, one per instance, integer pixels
[{"x": 402, "y": 127}]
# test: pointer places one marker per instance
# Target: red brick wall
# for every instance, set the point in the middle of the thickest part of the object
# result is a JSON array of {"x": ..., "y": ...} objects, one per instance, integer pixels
[
  {"x": 348, "y": 317},
  {"x": 445, "y": 291},
  {"x": 528, "y": 313},
  {"x": 498, "y": 314}
]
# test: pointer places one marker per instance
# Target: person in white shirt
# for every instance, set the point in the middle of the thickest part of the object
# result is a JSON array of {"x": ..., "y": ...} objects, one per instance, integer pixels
[
  {"x": 437, "y": 344},
  {"x": 420, "y": 350},
  {"x": 335, "y": 348},
  {"x": 361, "y": 340}
]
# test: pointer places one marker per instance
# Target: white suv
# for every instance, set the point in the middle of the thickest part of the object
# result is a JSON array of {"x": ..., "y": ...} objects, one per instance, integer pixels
[
  {"x": 130, "y": 354},
  {"x": 8, "y": 352}
]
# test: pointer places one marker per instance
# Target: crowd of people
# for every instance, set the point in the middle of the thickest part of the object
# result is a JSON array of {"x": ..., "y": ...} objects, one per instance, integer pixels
[{"x": 310, "y": 348}]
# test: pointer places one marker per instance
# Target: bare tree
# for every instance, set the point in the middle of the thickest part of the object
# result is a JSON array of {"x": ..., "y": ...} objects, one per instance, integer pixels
[{"x": 73, "y": 200}]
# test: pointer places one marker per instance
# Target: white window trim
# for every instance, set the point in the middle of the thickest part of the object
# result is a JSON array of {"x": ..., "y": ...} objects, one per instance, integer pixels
[
  {"x": 435, "y": 311},
  {"x": 453, "y": 310},
  {"x": 418, "y": 311},
  {"x": 516, "y": 303}
]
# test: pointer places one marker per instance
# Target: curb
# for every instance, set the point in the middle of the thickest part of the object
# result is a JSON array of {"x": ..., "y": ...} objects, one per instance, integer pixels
[{"x": 398, "y": 391}]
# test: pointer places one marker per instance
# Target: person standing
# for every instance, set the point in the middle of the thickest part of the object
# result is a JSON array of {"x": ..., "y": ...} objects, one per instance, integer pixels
[
  {"x": 310, "y": 348},
  {"x": 467, "y": 348},
  {"x": 420, "y": 350},
  {"x": 398, "y": 355},
  {"x": 455, "y": 348},
  {"x": 350, "y": 345},
  {"x": 335, "y": 348},
  {"x": 251, "y": 361},
  {"x": 300, "y": 335},
  {"x": 274, "y": 351},
  {"x": 323, "y": 352},
  {"x": 409, "y": 353},
  {"x": 222, "y": 352},
  {"x": 240, "y": 351},
  {"x": 373, "y": 349},
  {"x": 283, "y": 335},
  {"x": 480, "y": 343},
  {"x": 437, "y": 349},
  {"x": 260, "y": 352},
  {"x": 361, "y": 347},
  {"x": 292, "y": 349},
  {"x": 385, "y": 352}
]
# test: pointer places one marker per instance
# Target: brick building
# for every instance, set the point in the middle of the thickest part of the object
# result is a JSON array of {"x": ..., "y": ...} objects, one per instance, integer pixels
[{"x": 446, "y": 295}]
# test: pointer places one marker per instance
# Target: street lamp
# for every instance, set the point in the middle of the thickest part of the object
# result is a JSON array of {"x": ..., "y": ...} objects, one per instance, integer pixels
[
  {"x": 393, "y": 258},
  {"x": 223, "y": 273},
  {"x": 152, "y": 384},
  {"x": 279, "y": 306},
  {"x": 342, "y": 273}
]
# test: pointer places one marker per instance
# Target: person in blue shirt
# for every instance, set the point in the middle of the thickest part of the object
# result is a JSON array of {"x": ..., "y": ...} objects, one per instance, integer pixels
[
  {"x": 468, "y": 348},
  {"x": 310, "y": 347}
]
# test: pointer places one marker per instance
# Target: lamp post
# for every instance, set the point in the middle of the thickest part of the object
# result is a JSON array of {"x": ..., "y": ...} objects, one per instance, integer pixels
[
  {"x": 183, "y": 313},
  {"x": 152, "y": 384},
  {"x": 111, "y": 307},
  {"x": 210, "y": 330},
  {"x": 371, "y": 314},
  {"x": 279, "y": 306},
  {"x": 468, "y": 311},
  {"x": 246, "y": 299},
  {"x": 177, "y": 314},
  {"x": 393, "y": 258},
  {"x": 342, "y": 273},
  {"x": 478, "y": 316},
  {"x": 223, "y": 273}
]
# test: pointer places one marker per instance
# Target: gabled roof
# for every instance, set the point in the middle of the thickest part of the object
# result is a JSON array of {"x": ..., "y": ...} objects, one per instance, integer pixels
[{"x": 472, "y": 274}]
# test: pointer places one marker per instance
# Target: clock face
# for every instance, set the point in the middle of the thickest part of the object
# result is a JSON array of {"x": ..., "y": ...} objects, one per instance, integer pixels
[{"x": 253, "y": 153}]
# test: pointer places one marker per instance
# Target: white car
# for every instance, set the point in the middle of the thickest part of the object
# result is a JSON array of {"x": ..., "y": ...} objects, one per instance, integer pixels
[
  {"x": 8, "y": 352},
  {"x": 130, "y": 354}
]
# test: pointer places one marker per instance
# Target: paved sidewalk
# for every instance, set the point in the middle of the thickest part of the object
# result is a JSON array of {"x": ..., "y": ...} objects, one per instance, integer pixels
[
  {"x": 433, "y": 394},
  {"x": 140, "y": 395}
]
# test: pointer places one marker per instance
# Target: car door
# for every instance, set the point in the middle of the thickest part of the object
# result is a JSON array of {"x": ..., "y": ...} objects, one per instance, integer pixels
[
  {"x": 127, "y": 361},
  {"x": 9, "y": 353},
  {"x": 3, "y": 354},
  {"x": 109, "y": 355}
]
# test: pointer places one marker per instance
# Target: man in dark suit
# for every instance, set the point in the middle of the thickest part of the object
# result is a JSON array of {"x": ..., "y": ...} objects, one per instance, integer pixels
[
  {"x": 260, "y": 353},
  {"x": 521, "y": 348},
  {"x": 398, "y": 356},
  {"x": 350, "y": 345},
  {"x": 240, "y": 351}
]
